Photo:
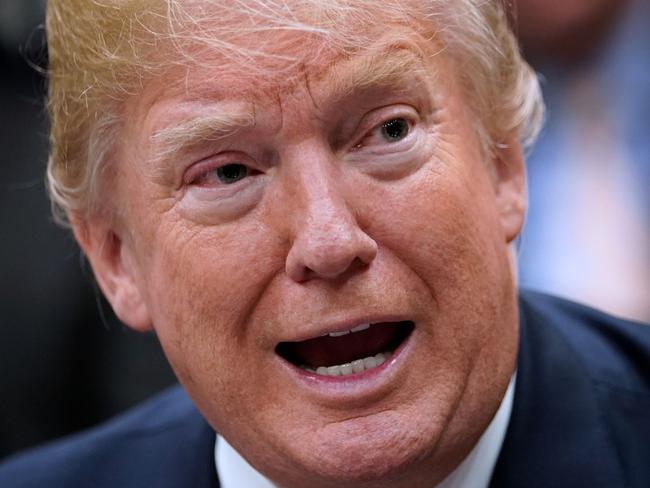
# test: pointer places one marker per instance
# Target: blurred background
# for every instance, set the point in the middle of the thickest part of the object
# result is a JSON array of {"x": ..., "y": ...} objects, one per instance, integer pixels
[
  {"x": 63, "y": 366},
  {"x": 588, "y": 231},
  {"x": 67, "y": 363}
]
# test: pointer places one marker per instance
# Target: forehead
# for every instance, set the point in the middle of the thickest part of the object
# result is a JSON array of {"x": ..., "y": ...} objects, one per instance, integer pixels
[
  {"x": 279, "y": 61},
  {"x": 390, "y": 60},
  {"x": 255, "y": 43}
]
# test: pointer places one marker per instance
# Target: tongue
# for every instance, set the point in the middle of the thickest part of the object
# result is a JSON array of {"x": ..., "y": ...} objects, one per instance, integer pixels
[{"x": 329, "y": 351}]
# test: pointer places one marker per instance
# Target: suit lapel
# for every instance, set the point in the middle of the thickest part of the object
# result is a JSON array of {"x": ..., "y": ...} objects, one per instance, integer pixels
[{"x": 556, "y": 436}]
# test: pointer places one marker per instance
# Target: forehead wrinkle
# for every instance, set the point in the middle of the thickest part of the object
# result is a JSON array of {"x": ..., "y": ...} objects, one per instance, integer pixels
[
  {"x": 312, "y": 97},
  {"x": 281, "y": 109}
]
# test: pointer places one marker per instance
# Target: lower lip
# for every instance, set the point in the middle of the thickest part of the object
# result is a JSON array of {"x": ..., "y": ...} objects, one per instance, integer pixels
[{"x": 355, "y": 383}]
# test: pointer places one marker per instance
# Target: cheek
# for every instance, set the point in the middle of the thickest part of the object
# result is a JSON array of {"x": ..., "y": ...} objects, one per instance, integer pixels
[
  {"x": 202, "y": 288},
  {"x": 443, "y": 224}
]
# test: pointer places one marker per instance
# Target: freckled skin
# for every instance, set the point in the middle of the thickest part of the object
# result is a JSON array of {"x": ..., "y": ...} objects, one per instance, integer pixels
[{"x": 326, "y": 239}]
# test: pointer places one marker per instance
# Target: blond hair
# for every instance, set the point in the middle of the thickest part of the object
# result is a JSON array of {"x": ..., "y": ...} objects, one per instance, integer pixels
[{"x": 102, "y": 52}]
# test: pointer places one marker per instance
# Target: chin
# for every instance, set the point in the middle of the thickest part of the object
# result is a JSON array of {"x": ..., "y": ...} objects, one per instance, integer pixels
[{"x": 383, "y": 449}]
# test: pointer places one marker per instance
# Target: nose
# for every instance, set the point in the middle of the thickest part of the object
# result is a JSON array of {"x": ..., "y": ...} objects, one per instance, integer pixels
[{"x": 327, "y": 239}]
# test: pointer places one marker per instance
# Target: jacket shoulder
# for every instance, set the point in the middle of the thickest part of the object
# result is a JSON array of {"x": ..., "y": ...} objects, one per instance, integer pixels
[
  {"x": 614, "y": 358},
  {"x": 152, "y": 445},
  {"x": 616, "y": 352}
]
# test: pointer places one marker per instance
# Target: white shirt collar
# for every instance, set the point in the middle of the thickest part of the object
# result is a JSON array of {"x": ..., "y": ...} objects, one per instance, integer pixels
[{"x": 474, "y": 472}]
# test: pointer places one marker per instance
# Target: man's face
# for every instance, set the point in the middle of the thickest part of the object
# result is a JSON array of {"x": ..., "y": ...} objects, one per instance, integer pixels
[{"x": 359, "y": 195}]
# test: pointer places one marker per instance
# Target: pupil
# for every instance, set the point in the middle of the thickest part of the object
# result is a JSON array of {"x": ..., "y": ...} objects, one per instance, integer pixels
[
  {"x": 395, "y": 129},
  {"x": 231, "y": 173}
]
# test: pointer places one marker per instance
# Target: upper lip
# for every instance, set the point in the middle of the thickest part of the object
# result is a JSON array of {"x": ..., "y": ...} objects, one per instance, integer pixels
[{"x": 321, "y": 329}]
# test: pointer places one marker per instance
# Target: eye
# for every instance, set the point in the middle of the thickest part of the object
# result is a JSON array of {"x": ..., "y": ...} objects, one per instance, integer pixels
[
  {"x": 210, "y": 173},
  {"x": 231, "y": 173},
  {"x": 395, "y": 129},
  {"x": 388, "y": 132}
]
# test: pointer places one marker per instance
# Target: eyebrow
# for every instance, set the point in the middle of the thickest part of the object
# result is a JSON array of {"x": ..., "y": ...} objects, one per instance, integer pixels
[
  {"x": 219, "y": 124},
  {"x": 400, "y": 65}
]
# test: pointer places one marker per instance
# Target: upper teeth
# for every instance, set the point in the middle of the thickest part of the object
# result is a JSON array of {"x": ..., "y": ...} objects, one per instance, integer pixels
[{"x": 358, "y": 328}]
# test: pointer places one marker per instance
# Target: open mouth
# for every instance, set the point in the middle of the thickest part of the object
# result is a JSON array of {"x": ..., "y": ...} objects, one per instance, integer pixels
[{"x": 349, "y": 352}]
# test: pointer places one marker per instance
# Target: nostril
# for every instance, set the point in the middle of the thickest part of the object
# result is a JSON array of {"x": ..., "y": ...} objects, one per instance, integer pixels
[
  {"x": 323, "y": 263},
  {"x": 334, "y": 270},
  {"x": 329, "y": 257},
  {"x": 367, "y": 248}
]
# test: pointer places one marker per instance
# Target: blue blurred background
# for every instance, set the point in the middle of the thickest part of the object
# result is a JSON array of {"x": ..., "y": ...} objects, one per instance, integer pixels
[{"x": 588, "y": 231}]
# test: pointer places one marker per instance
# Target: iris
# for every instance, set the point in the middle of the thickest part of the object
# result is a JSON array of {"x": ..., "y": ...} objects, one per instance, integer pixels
[
  {"x": 395, "y": 129},
  {"x": 231, "y": 173}
]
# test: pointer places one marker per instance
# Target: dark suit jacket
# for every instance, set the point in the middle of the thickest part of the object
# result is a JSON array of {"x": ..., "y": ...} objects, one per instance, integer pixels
[{"x": 581, "y": 418}]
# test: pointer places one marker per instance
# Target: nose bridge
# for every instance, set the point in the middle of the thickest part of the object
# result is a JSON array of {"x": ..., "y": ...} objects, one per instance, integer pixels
[
  {"x": 326, "y": 237},
  {"x": 323, "y": 199}
]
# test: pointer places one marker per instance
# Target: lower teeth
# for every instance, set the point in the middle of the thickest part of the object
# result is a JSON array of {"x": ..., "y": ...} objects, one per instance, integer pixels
[{"x": 348, "y": 369}]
